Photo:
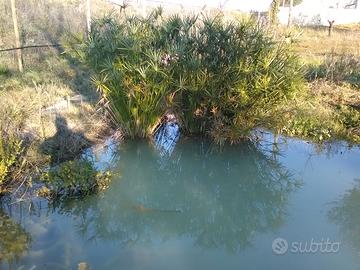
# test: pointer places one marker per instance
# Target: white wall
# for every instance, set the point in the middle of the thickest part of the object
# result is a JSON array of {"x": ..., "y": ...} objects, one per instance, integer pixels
[
  {"x": 314, "y": 12},
  {"x": 304, "y": 15},
  {"x": 242, "y": 5}
]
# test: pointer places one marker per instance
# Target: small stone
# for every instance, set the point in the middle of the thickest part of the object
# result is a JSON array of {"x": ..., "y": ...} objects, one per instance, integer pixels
[{"x": 83, "y": 266}]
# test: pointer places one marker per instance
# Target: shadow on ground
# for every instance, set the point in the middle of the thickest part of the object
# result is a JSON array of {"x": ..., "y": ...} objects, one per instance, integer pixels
[{"x": 65, "y": 144}]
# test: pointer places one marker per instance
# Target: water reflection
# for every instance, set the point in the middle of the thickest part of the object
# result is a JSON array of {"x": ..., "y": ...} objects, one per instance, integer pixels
[
  {"x": 217, "y": 199},
  {"x": 346, "y": 214},
  {"x": 14, "y": 240}
]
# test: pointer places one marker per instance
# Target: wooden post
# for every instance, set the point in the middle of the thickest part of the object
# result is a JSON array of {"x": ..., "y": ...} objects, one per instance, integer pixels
[
  {"x": 290, "y": 11},
  {"x": 17, "y": 36},
  {"x": 331, "y": 23},
  {"x": 88, "y": 16}
]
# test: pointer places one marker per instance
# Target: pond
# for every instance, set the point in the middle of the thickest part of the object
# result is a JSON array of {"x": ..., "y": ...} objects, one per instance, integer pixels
[{"x": 246, "y": 206}]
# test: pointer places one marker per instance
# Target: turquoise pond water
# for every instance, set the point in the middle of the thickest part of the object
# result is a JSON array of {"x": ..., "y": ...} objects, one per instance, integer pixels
[{"x": 201, "y": 208}]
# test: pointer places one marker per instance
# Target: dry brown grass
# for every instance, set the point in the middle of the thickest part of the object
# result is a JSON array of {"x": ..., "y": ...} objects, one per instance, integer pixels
[
  {"x": 22, "y": 110},
  {"x": 336, "y": 94},
  {"x": 23, "y": 102},
  {"x": 315, "y": 47},
  {"x": 330, "y": 109},
  {"x": 27, "y": 105},
  {"x": 313, "y": 43}
]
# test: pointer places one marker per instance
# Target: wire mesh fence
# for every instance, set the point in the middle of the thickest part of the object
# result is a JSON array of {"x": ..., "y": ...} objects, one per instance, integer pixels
[{"x": 43, "y": 22}]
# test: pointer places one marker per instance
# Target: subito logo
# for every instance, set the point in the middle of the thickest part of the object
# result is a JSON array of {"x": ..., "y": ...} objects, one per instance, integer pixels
[{"x": 280, "y": 246}]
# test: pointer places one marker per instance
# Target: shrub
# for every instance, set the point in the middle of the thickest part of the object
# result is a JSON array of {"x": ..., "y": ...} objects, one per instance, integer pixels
[
  {"x": 10, "y": 149},
  {"x": 214, "y": 75}
]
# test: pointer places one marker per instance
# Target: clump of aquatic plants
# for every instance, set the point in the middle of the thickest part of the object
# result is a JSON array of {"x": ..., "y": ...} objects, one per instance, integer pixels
[
  {"x": 75, "y": 178},
  {"x": 215, "y": 75}
]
